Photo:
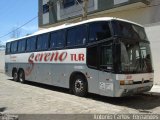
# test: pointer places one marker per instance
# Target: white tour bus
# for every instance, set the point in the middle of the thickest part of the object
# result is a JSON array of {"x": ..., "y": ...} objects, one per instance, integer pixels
[{"x": 105, "y": 56}]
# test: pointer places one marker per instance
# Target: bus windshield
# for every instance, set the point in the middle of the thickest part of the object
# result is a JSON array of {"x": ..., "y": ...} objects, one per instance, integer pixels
[
  {"x": 135, "y": 48},
  {"x": 128, "y": 30},
  {"x": 136, "y": 58}
]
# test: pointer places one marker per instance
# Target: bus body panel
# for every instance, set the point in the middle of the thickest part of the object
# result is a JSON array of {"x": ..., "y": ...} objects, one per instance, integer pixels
[
  {"x": 106, "y": 83},
  {"x": 103, "y": 83},
  {"x": 142, "y": 82}
]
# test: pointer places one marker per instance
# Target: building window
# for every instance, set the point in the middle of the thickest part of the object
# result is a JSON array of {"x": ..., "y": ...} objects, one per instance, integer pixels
[
  {"x": 45, "y": 8},
  {"x": 68, "y": 3}
]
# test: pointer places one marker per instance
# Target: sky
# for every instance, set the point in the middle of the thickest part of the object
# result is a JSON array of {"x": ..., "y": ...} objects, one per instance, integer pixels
[{"x": 15, "y": 13}]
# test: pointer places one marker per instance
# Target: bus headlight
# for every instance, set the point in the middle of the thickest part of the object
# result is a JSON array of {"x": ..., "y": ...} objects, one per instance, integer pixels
[{"x": 126, "y": 82}]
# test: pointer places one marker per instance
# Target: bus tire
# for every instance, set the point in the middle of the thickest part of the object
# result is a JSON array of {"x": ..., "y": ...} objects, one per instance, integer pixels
[
  {"x": 79, "y": 86},
  {"x": 21, "y": 76},
  {"x": 15, "y": 75}
]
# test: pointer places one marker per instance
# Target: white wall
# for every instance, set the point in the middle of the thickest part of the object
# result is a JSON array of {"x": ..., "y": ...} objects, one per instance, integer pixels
[
  {"x": 153, "y": 33},
  {"x": 2, "y": 57}
]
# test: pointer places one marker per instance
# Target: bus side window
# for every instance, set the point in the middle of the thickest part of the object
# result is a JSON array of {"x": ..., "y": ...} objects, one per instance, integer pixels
[
  {"x": 42, "y": 42},
  {"x": 92, "y": 57},
  {"x": 76, "y": 36},
  {"x": 71, "y": 36},
  {"x": 28, "y": 45},
  {"x": 8, "y": 48},
  {"x": 57, "y": 39},
  {"x": 31, "y": 44},
  {"x": 82, "y": 35},
  {"x": 106, "y": 59},
  {"x": 21, "y": 45},
  {"x": 14, "y": 47},
  {"x": 99, "y": 31},
  {"x": 23, "y": 48}
]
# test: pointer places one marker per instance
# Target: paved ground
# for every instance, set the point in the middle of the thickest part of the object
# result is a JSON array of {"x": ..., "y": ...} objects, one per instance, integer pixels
[
  {"x": 36, "y": 98},
  {"x": 1, "y": 61}
]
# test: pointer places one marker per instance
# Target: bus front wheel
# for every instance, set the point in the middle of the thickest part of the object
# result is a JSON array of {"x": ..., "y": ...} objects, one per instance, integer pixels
[
  {"x": 21, "y": 76},
  {"x": 79, "y": 86}
]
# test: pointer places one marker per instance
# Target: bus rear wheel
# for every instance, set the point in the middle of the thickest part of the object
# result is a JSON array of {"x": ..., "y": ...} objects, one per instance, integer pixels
[
  {"x": 79, "y": 86},
  {"x": 15, "y": 76},
  {"x": 21, "y": 76}
]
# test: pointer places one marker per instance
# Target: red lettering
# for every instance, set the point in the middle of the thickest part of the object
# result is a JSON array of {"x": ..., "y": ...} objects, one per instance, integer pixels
[
  {"x": 30, "y": 59},
  {"x": 75, "y": 57},
  {"x": 29, "y": 69},
  {"x": 41, "y": 57},
  {"x": 56, "y": 57},
  {"x": 72, "y": 57},
  {"x": 63, "y": 56},
  {"x": 81, "y": 57},
  {"x": 52, "y": 56},
  {"x": 129, "y": 77},
  {"x": 37, "y": 57},
  {"x": 46, "y": 58}
]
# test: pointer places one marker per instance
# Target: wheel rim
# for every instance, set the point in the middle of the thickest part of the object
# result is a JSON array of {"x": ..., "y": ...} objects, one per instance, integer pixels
[
  {"x": 21, "y": 77},
  {"x": 79, "y": 86},
  {"x": 15, "y": 77}
]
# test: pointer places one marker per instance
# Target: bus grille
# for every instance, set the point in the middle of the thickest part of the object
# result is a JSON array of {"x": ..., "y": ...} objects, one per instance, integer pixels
[{"x": 140, "y": 82}]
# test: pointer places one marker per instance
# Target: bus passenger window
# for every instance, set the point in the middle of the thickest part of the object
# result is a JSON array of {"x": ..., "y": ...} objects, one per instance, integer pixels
[
  {"x": 31, "y": 44},
  {"x": 42, "y": 42},
  {"x": 77, "y": 36},
  {"x": 92, "y": 57},
  {"x": 82, "y": 35},
  {"x": 21, "y": 45},
  {"x": 106, "y": 59},
  {"x": 8, "y": 47},
  {"x": 99, "y": 31},
  {"x": 57, "y": 39},
  {"x": 14, "y": 47},
  {"x": 71, "y": 36}
]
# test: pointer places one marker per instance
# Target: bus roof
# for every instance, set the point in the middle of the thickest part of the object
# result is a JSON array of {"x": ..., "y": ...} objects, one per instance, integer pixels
[{"x": 73, "y": 24}]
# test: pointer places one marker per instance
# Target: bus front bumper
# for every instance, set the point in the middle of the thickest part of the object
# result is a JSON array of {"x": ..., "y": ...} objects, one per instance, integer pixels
[{"x": 128, "y": 90}]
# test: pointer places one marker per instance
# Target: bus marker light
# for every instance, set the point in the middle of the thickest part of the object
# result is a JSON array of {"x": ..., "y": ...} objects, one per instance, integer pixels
[
  {"x": 126, "y": 82},
  {"x": 122, "y": 82}
]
